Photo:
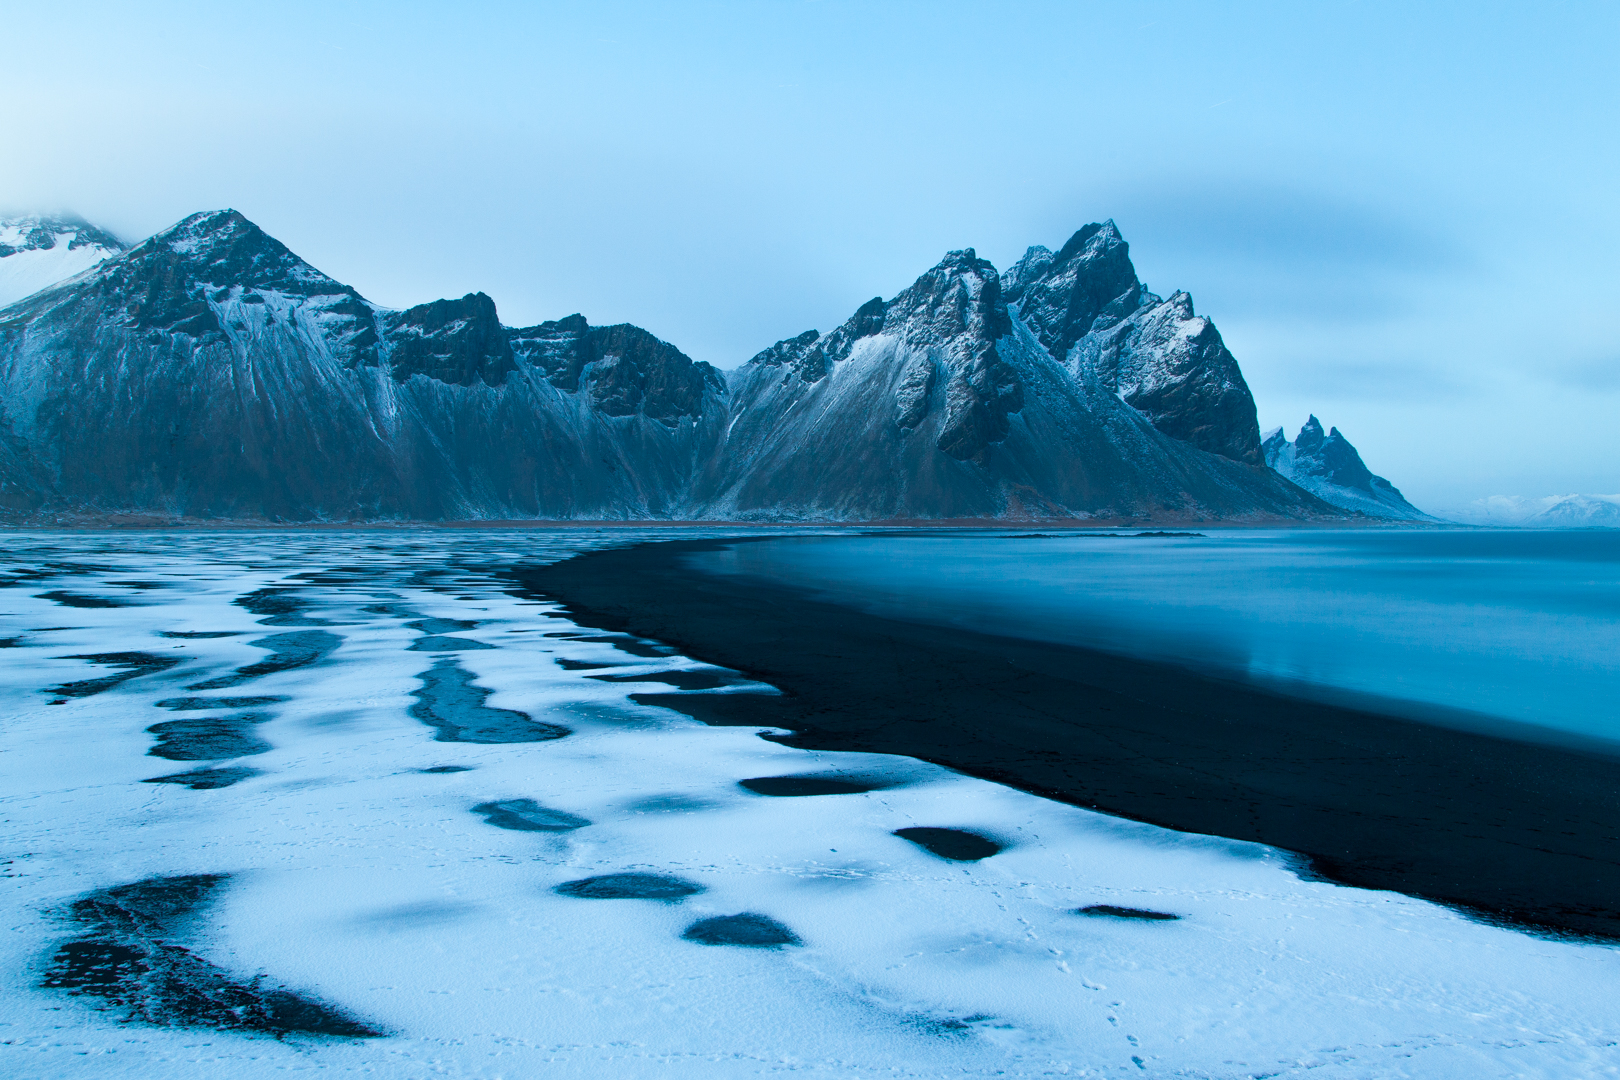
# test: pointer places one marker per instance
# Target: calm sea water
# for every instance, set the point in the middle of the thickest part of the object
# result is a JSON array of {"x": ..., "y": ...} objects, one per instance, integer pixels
[{"x": 1521, "y": 627}]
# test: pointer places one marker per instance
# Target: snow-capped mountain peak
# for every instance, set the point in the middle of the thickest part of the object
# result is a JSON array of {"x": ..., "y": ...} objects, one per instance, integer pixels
[
  {"x": 39, "y": 250},
  {"x": 1330, "y": 468}
]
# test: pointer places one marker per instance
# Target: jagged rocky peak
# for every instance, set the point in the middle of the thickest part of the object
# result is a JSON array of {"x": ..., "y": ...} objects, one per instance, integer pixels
[
  {"x": 1062, "y": 295},
  {"x": 1330, "y": 468},
  {"x": 453, "y": 341},
  {"x": 950, "y": 319},
  {"x": 625, "y": 370},
  {"x": 40, "y": 250},
  {"x": 1087, "y": 306}
]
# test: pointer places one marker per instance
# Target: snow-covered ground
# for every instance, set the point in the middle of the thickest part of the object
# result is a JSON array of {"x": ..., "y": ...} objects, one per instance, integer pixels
[{"x": 424, "y": 905}]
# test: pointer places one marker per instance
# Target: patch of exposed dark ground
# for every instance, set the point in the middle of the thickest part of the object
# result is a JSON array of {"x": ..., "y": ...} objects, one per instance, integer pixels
[
  {"x": 282, "y": 607},
  {"x": 630, "y": 886},
  {"x": 526, "y": 815},
  {"x": 130, "y": 665},
  {"x": 957, "y": 845},
  {"x": 453, "y": 705},
  {"x": 67, "y": 599},
  {"x": 443, "y": 626},
  {"x": 287, "y": 652},
  {"x": 1110, "y": 911},
  {"x": 209, "y": 738},
  {"x": 580, "y": 665},
  {"x": 444, "y": 643},
  {"x": 809, "y": 784},
  {"x": 749, "y": 929},
  {"x": 207, "y": 779},
  {"x": 194, "y": 704},
  {"x": 680, "y": 680},
  {"x": 1510, "y": 831},
  {"x": 132, "y": 953}
]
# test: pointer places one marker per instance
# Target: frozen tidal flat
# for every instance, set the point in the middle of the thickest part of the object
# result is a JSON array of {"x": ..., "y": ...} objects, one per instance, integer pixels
[{"x": 407, "y": 828}]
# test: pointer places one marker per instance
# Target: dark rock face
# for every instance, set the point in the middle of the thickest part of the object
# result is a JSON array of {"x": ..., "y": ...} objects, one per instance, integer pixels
[
  {"x": 626, "y": 370},
  {"x": 1332, "y": 469},
  {"x": 453, "y": 341},
  {"x": 225, "y": 377},
  {"x": 958, "y": 303},
  {"x": 1087, "y": 307},
  {"x": 1172, "y": 366}
]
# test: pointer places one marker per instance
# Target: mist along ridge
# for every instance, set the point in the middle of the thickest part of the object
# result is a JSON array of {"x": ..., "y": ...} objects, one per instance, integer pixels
[{"x": 211, "y": 373}]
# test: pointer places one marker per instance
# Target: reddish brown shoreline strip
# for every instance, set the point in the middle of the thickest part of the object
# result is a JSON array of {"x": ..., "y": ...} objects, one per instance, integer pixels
[{"x": 1517, "y": 832}]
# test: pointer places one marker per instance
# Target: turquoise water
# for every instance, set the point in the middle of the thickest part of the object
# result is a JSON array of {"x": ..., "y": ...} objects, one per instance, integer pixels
[{"x": 1463, "y": 627}]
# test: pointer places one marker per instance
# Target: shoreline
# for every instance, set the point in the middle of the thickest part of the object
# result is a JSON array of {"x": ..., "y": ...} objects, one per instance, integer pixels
[
  {"x": 1513, "y": 832},
  {"x": 160, "y": 523}
]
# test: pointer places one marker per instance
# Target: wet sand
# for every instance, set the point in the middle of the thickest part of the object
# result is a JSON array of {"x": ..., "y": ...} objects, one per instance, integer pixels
[{"x": 1517, "y": 832}]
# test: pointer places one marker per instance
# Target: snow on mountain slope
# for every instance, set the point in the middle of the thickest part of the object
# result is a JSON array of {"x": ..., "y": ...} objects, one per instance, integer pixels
[
  {"x": 942, "y": 403},
  {"x": 37, "y": 251},
  {"x": 1329, "y": 467},
  {"x": 1579, "y": 512},
  {"x": 226, "y": 377},
  {"x": 1088, "y": 308}
]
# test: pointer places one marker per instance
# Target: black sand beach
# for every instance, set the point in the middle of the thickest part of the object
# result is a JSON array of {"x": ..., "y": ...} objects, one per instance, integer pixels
[{"x": 1512, "y": 831}]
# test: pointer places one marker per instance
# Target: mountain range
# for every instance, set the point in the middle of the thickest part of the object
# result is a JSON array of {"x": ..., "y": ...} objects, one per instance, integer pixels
[{"x": 209, "y": 372}]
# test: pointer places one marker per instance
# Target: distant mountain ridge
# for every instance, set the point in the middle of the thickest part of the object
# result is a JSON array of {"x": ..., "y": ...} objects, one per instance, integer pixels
[
  {"x": 39, "y": 250},
  {"x": 209, "y": 372}
]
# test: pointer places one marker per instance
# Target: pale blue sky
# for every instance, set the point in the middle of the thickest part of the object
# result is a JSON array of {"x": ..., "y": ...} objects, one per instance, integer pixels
[{"x": 1402, "y": 217}]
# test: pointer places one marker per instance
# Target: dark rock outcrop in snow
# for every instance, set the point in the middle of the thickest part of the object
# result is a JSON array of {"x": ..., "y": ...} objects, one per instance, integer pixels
[
  {"x": 1329, "y": 467},
  {"x": 223, "y": 376},
  {"x": 1087, "y": 307},
  {"x": 453, "y": 341}
]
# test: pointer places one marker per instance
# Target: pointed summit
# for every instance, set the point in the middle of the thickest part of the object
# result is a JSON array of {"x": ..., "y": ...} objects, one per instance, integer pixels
[
  {"x": 1330, "y": 468},
  {"x": 1088, "y": 308},
  {"x": 1062, "y": 295},
  {"x": 1310, "y": 437}
]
